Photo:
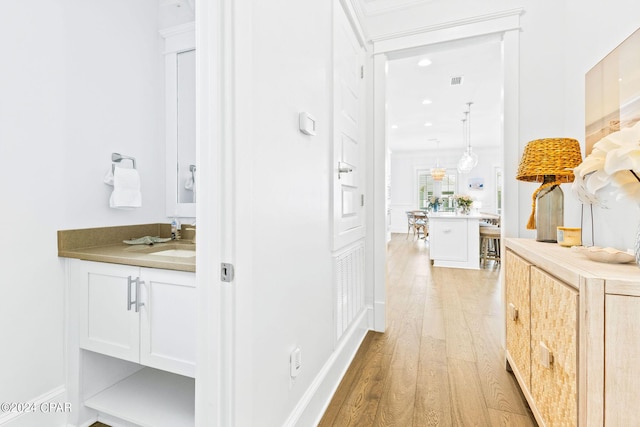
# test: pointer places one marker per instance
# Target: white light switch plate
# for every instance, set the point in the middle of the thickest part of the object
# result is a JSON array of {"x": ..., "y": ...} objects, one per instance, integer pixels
[{"x": 307, "y": 123}]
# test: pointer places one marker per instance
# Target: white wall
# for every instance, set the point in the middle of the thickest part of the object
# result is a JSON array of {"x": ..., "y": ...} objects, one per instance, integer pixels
[
  {"x": 592, "y": 33},
  {"x": 32, "y": 138},
  {"x": 559, "y": 43},
  {"x": 284, "y": 188},
  {"x": 552, "y": 97},
  {"x": 80, "y": 81},
  {"x": 404, "y": 190},
  {"x": 114, "y": 103}
]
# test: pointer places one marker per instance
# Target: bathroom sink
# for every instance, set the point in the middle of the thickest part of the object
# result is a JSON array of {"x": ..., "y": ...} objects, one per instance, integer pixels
[
  {"x": 180, "y": 253},
  {"x": 169, "y": 249}
]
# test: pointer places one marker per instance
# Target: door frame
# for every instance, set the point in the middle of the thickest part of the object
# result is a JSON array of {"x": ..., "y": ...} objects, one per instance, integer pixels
[
  {"x": 214, "y": 400},
  {"x": 507, "y": 24}
]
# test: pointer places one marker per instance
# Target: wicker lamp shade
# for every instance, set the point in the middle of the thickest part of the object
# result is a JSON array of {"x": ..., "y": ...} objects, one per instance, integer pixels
[
  {"x": 549, "y": 156},
  {"x": 551, "y": 161}
]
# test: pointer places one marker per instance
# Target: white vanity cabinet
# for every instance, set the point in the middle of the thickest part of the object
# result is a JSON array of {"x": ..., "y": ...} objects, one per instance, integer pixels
[
  {"x": 131, "y": 344},
  {"x": 142, "y": 315}
]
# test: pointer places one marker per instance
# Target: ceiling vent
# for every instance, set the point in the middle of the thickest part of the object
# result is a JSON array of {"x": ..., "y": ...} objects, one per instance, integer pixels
[{"x": 456, "y": 80}]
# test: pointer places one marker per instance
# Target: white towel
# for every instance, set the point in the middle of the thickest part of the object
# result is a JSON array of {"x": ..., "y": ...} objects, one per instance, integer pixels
[
  {"x": 190, "y": 185},
  {"x": 126, "y": 189},
  {"x": 108, "y": 178}
]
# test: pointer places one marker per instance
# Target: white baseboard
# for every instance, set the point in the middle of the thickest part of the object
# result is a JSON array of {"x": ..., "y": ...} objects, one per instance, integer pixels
[
  {"x": 380, "y": 319},
  {"x": 48, "y": 409},
  {"x": 315, "y": 400}
]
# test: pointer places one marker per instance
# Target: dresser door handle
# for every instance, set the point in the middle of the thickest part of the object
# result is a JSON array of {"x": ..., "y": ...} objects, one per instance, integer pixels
[
  {"x": 546, "y": 356},
  {"x": 513, "y": 312}
]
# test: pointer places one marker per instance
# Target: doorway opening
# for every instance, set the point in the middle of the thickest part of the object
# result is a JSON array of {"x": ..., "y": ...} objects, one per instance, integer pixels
[{"x": 506, "y": 124}]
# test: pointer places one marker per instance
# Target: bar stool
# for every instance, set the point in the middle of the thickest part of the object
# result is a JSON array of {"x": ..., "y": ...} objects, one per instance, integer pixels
[{"x": 489, "y": 243}]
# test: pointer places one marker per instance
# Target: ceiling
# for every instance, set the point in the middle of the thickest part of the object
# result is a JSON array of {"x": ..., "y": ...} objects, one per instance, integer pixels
[{"x": 478, "y": 62}]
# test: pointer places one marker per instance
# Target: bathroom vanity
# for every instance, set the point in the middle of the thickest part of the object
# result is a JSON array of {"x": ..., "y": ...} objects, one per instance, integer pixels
[{"x": 131, "y": 326}]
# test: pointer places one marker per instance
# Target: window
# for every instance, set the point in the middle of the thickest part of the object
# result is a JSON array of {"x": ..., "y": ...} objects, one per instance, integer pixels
[{"x": 426, "y": 187}]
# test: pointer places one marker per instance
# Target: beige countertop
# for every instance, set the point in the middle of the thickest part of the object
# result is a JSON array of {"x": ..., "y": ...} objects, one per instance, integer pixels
[{"x": 105, "y": 244}]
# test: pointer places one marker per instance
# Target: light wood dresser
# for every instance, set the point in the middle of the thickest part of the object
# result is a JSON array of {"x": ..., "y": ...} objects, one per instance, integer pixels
[{"x": 573, "y": 335}]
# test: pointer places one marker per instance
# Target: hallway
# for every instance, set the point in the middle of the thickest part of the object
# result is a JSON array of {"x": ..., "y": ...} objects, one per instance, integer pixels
[{"x": 440, "y": 362}]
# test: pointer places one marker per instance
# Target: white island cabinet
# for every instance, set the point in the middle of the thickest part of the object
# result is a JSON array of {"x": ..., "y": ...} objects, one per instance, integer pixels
[
  {"x": 132, "y": 339},
  {"x": 454, "y": 240}
]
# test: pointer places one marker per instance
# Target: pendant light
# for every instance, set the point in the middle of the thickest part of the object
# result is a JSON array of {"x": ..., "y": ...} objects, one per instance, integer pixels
[
  {"x": 438, "y": 173},
  {"x": 469, "y": 159}
]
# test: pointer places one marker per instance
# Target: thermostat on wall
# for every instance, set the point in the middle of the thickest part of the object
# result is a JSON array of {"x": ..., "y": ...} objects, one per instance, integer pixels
[{"x": 307, "y": 123}]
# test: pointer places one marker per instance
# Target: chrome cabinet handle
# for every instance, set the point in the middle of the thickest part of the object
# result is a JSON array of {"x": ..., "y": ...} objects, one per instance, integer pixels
[
  {"x": 134, "y": 303},
  {"x": 139, "y": 303},
  {"x": 513, "y": 312},
  {"x": 130, "y": 303}
]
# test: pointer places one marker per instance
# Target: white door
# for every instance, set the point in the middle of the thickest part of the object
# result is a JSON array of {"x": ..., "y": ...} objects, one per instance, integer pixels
[
  {"x": 168, "y": 321},
  {"x": 348, "y": 133},
  {"x": 109, "y": 323}
]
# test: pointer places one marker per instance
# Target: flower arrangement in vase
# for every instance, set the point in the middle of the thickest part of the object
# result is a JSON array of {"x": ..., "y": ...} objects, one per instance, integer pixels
[
  {"x": 613, "y": 167},
  {"x": 434, "y": 203},
  {"x": 464, "y": 202}
]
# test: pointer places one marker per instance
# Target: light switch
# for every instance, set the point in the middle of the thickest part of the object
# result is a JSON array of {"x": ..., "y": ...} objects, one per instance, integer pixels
[{"x": 307, "y": 123}]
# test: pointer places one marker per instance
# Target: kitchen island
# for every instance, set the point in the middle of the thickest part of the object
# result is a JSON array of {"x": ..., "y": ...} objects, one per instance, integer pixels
[{"x": 454, "y": 239}]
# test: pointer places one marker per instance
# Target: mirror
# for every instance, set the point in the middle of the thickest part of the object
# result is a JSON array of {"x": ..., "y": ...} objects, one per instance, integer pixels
[
  {"x": 186, "y": 113},
  {"x": 180, "y": 118}
]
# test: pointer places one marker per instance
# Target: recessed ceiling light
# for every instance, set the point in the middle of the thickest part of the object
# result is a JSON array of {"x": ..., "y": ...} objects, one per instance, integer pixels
[
  {"x": 424, "y": 62},
  {"x": 394, "y": 126},
  {"x": 428, "y": 124},
  {"x": 426, "y": 102}
]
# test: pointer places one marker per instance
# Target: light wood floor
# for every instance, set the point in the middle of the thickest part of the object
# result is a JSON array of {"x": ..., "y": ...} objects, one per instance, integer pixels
[{"x": 440, "y": 361}]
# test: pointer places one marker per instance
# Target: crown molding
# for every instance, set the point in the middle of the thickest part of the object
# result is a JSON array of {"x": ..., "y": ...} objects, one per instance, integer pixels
[
  {"x": 452, "y": 24},
  {"x": 178, "y": 29},
  {"x": 380, "y": 7},
  {"x": 355, "y": 16}
]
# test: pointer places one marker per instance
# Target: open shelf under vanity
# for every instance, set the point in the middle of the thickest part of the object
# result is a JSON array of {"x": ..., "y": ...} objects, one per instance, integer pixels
[{"x": 149, "y": 397}]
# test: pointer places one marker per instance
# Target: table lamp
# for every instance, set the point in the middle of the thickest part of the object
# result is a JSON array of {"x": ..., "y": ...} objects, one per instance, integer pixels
[{"x": 551, "y": 162}]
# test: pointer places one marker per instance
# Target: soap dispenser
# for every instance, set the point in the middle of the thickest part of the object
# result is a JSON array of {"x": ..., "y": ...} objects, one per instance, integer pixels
[{"x": 174, "y": 229}]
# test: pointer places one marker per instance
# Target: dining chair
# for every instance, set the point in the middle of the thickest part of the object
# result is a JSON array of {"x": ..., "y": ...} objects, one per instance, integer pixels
[{"x": 417, "y": 221}]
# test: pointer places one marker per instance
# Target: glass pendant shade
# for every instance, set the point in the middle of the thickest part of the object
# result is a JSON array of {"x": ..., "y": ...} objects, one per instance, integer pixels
[{"x": 468, "y": 161}]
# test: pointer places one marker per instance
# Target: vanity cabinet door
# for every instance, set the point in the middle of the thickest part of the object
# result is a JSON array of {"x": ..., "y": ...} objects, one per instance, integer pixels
[
  {"x": 108, "y": 323},
  {"x": 518, "y": 322},
  {"x": 554, "y": 338},
  {"x": 168, "y": 321}
]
